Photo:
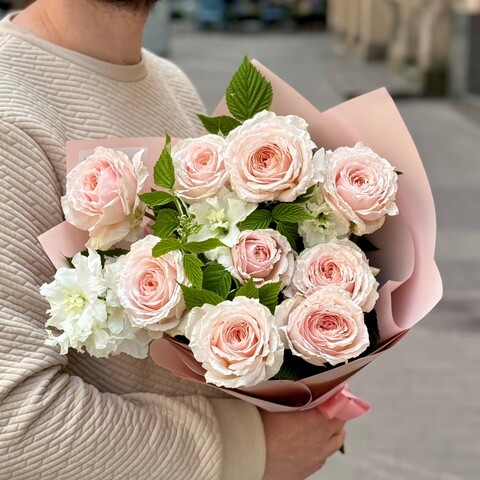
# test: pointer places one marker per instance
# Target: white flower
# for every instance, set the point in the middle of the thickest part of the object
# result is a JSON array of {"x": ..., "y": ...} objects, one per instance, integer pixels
[
  {"x": 219, "y": 217},
  {"x": 326, "y": 226},
  {"x": 85, "y": 308}
]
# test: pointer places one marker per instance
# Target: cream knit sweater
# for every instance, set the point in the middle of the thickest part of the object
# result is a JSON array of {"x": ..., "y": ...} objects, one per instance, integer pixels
[{"x": 78, "y": 417}]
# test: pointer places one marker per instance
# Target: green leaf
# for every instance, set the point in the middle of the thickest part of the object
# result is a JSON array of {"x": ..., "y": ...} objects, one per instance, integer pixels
[
  {"x": 306, "y": 196},
  {"x": 163, "y": 172},
  {"x": 268, "y": 295},
  {"x": 193, "y": 269},
  {"x": 256, "y": 220},
  {"x": 156, "y": 199},
  {"x": 290, "y": 212},
  {"x": 217, "y": 279},
  {"x": 197, "y": 297},
  {"x": 203, "y": 246},
  {"x": 290, "y": 231},
  {"x": 165, "y": 246},
  {"x": 248, "y": 290},
  {"x": 295, "y": 368},
  {"x": 219, "y": 125},
  {"x": 166, "y": 223},
  {"x": 249, "y": 92}
]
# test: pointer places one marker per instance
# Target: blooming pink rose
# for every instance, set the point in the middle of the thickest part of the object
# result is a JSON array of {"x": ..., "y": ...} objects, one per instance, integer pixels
[
  {"x": 263, "y": 255},
  {"x": 149, "y": 287},
  {"x": 270, "y": 158},
  {"x": 236, "y": 341},
  {"x": 199, "y": 167},
  {"x": 326, "y": 327},
  {"x": 101, "y": 197},
  {"x": 360, "y": 186},
  {"x": 338, "y": 263}
]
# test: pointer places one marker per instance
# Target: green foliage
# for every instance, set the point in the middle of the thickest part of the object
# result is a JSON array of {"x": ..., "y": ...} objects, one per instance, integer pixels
[
  {"x": 290, "y": 212},
  {"x": 193, "y": 269},
  {"x": 197, "y": 297},
  {"x": 248, "y": 290},
  {"x": 166, "y": 246},
  {"x": 203, "y": 246},
  {"x": 257, "y": 220},
  {"x": 295, "y": 368},
  {"x": 156, "y": 199},
  {"x": 217, "y": 279},
  {"x": 248, "y": 92},
  {"x": 163, "y": 171},
  {"x": 268, "y": 295},
  {"x": 222, "y": 125},
  {"x": 290, "y": 231},
  {"x": 166, "y": 223}
]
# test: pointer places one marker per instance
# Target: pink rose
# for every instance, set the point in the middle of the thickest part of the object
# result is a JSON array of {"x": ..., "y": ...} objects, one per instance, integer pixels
[
  {"x": 270, "y": 158},
  {"x": 199, "y": 167},
  {"x": 263, "y": 255},
  {"x": 326, "y": 327},
  {"x": 101, "y": 197},
  {"x": 149, "y": 287},
  {"x": 339, "y": 263},
  {"x": 236, "y": 341},
  {"x": 360, "y": 186}
]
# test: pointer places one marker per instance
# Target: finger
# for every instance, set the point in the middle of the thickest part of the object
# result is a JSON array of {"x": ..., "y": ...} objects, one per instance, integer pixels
[
  {"x": 335, "y": 443},
  {"x": 335, "y": 426}
]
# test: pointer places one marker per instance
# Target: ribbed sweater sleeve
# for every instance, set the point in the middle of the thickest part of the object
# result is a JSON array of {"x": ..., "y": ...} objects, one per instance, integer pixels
[{"x": 56, "y": 426}]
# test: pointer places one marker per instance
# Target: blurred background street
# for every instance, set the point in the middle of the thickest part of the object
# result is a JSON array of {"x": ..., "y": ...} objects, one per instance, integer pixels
[{"x": 425, "y": 419}]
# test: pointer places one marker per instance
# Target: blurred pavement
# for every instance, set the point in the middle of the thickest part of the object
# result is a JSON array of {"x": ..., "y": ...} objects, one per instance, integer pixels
[{"x": 425, "y": 420}]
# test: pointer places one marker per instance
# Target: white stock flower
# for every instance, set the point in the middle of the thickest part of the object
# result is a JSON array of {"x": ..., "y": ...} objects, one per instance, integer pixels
[
  {"x": 219, "y": 217},
  {"x": 86, "y": 310},
  {"x": 326, "y": 225}
]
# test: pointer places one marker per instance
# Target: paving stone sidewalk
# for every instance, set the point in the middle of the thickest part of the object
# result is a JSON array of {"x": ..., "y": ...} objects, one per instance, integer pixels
[{"x": 425, "y": 423}]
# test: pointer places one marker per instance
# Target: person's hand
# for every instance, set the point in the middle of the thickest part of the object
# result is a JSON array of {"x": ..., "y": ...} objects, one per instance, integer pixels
[{"x": 299, "y": 443}]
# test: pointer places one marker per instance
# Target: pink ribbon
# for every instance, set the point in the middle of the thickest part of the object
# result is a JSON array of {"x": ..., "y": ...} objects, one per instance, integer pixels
[{"x": 344, "y": 406}]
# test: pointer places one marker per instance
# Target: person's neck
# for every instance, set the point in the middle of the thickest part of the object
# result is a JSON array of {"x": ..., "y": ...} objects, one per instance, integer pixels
[{"x": 101, "y": 31}]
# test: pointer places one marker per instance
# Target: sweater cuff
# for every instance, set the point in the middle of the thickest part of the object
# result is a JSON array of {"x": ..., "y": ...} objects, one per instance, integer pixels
[{"x": 243, "y": 439}]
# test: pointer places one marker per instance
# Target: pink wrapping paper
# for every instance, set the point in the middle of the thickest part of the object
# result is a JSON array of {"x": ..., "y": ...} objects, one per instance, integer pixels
[{"x": 409, "y": 278}]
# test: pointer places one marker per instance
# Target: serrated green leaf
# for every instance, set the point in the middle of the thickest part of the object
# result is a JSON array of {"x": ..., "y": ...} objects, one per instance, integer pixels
[
  {"x": 290, "y": 212},
  {"x": 257, "y": 220},
  {"x": 306, "y": 196},
  {"x": 203, "y": 246},
  {"x": 290, "y": 231},
  {"x": 249, "y": 92},
  {"x": 166, "y": 246},
  {"x": 217, "y": 279},
  {"x": 268, "y": 295},
  {"x": 163, "y": 171},
  {"x": 248, "y": 290},
  {"x": 197, "y": 297},
  {"x": 166, "y": 223},
  {"x": 193, "y": 269},
  {"x": 156, "y": 199},
  {"x": 222, "y": 125}
]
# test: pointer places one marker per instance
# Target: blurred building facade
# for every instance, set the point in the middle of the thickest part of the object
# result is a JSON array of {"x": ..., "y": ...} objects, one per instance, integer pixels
[{"x": 438, "y": 38}]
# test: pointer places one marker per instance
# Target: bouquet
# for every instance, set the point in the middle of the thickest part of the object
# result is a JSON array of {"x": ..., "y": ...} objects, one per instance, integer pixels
[{"x": 273, "y": 257}]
